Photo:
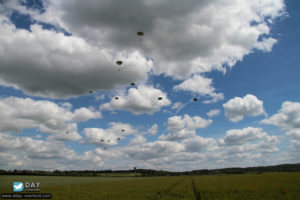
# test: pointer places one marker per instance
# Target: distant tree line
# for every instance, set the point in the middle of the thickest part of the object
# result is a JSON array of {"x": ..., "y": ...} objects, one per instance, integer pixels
[{"x": 150, "y": 172}]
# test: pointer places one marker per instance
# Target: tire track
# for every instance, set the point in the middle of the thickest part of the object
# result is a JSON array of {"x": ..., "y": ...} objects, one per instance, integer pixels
[
  {"x": 163, "y": 193},
  {"x": 196, "y": 192}
]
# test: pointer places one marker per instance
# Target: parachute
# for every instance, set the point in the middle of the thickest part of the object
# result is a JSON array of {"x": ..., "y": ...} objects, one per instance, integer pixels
[
  {"x": 119, "y": 62},
  {"x": 140, "y": 33},
  {"x": 195, "y": 99},
  {"x": 123, "y": 130},
  {"x": 159, "y": 98},
  {"x": 102, "y": 140},
  {"x": 90, "y": 91},
  {"x": 118, "y": 138},
  {"x": 132, "y": 84},
  {"x": 116, "y": 98}
]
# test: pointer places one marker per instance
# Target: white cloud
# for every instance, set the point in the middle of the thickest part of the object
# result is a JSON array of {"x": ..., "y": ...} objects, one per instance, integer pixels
[
  {"x": 213, "y": 113},
  {"x": 191, "y": 38},
  {"x": 288, "y": 119},
  {"x": 242, "y": 136},
  {"x": 176, "y": 105},
  {"x": 21, "y": 113},
  {"x": 201, "y": 86},
  {"x": 138, "y": 140},
  {"x": 153, "y": 130},
  {"x": 294, "y": 133},
  {"x": 198, "y": 143},
  {"x": 45, "y": 63},
  {"x": 109, "y": 136},
  {"x": 237, "y": 108},
  {"x": 153, "y": 150},
  {"x": 28, "y": 153},
  {"x": 141, "y": 100},
  {"x": 288, "y": 116},
  {"x": 184, "y": 127}
]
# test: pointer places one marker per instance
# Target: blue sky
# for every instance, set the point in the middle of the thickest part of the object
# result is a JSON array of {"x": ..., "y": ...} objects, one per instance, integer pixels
[{"x": 241, "y": 66}]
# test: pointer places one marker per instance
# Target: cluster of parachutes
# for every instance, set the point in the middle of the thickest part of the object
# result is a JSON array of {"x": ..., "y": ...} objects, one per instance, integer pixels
[{"x": 140, "y": 34}]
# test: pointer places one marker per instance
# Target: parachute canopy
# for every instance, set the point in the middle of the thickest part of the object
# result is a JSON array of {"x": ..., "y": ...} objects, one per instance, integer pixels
[
  {"x": 90, "y": 91},
  {"x": 140, "y": 33},
  {"x": 133, "y": 84},
  {"x": 123, "y": 130},
  {"x": 116, "y": 98},
  {"x": 119, "y": 62},
  {"x": 118, "y": 138},
  {"x": 159, "y": 98},
  {"x": 195, "y": 99}
]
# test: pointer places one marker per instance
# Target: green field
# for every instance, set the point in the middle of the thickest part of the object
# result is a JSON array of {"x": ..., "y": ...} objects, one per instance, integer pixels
[{"x": 249, "y": 186}]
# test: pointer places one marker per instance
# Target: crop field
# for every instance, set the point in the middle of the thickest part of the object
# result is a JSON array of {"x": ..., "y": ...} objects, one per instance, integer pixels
[{"x": 249, "y": 186}]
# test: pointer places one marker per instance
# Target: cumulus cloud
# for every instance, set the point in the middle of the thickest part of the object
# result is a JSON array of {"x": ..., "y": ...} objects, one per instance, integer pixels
[
  {"x": 199, "y": 143},
  {"x": 141, "y": 100},
  {"x": 184, "y": 127},
  {"x": 288, "y": 116},
  {"x": 213, "y": 113},
  {"x": 46, "y": 63},
  {"x": 288, "y": 119},
  {"x": 184, "y": 39},
  {"x": 201, "y": 86},
  {"x": 60, "y": 122},
  {"x": 242, "y": 136},
  {"x": 153, "y": 130},
  {"x": 192, "y": 36},
  {"x": 237, "y": 108},
  {"x": 109, "y": 136},
  {"x": 28, "y": 153},
  {"x": 153, "y": 150},
  {"x": 177, "y": 105}
]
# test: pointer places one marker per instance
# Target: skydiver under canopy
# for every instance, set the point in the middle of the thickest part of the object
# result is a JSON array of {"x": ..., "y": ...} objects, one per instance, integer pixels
[
  {"x": 140, "y": 33},
  {"x": 119, "y": 62}
]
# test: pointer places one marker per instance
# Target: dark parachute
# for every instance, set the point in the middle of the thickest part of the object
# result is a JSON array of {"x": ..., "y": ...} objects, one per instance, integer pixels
[
  {"x": 118, "y": 138},
  {"x": 132, "y": 84},
  {"x": 102, "y": 140},
  {"x": 123, "y": 130},
  {"x": 195, "y": 99},
  {"x": 119, "y": 62},
  {"x": 159, "y": 98},
  {"x": 90, "y": 91},
  {"x": 140, "y": 33},
  {"x": 116, "y": 98}
]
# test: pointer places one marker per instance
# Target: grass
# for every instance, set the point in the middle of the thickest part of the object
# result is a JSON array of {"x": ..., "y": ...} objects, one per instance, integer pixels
[{"x": 249, "y": 186}]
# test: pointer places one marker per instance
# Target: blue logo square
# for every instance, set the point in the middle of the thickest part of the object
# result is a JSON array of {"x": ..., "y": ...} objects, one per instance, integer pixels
[{"x": 18, "y": 186}]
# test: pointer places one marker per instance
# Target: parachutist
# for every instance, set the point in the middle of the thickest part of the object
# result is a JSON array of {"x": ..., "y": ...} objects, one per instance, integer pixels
[
  {"x": 140, "y": 33},
  {"x": 119, "y": 62}
]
